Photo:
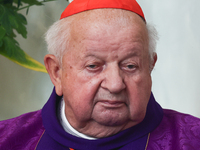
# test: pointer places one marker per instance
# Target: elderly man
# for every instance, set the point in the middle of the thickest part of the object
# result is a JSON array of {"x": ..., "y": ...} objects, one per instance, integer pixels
[{"x": 101, "y": 57}]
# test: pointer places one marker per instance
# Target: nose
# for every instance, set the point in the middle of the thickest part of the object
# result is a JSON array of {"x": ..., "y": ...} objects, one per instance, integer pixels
[{"x": 113, "y": 80}]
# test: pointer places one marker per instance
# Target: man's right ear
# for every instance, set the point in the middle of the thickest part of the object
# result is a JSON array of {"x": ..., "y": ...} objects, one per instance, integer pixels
[{"x": 55, "y": 72}]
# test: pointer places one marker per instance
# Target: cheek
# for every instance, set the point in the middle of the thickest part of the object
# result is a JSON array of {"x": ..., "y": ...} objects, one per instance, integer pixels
[
  {"x": 79, "y": 92},
  {"x": 139, "y": 90},
  {"x": 139, "y": 83}
]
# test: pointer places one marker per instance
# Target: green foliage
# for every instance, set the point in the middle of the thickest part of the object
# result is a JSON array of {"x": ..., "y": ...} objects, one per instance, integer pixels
[{"x": 10, "y": 20}]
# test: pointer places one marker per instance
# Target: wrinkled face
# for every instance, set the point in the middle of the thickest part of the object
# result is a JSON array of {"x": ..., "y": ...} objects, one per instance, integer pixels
[{"x": 105, "y": 73}]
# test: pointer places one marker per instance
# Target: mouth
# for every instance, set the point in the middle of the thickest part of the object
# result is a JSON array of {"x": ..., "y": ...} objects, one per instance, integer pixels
[{"x": 111, "y": 103}]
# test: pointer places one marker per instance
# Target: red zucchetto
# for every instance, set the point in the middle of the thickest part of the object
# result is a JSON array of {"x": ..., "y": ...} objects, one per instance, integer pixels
[{"x": 77, "y": 6}]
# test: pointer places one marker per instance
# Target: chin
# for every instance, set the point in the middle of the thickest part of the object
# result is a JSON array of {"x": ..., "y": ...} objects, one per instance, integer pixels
[{"x": 112, "y": 120}]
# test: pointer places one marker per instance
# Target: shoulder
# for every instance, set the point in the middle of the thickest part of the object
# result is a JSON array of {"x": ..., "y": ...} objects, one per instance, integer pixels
[
  {"x": 24, "y": 130},
  {"x": 31, "y": 119},
  {"x": 183, "y": 123},
  {"x": 180, "y": 119},
  {"x": 177, "y": 131}
]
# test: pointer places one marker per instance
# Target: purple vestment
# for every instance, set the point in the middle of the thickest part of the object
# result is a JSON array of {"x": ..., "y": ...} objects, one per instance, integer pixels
[{"x": 41, "y": 130}]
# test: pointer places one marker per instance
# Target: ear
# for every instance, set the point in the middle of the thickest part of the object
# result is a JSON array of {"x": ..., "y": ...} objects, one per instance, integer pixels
[
  {"x": 55, "y": 72},
  {"x": 153, "y": 62},
  {"x": 154, "y": 58}
]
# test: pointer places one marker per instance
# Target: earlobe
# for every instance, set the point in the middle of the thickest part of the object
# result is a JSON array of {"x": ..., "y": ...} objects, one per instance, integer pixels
[
  {"x": 155, "y": 59},
  {"x": 153, "y": 62},
  {"x": 55, "y": 72}
]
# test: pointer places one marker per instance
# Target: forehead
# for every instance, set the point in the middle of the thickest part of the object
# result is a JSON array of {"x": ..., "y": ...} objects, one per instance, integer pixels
[
  {"x": 99, "y": 28},
  {"x": 105, "y": 20}
]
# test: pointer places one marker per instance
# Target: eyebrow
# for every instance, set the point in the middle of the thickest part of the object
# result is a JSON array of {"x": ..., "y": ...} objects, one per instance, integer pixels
[{"x": 130, "y": 54}]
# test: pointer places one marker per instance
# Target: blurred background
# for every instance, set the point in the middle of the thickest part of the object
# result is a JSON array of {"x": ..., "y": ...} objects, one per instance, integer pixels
[{"x": 176, "y": 77}]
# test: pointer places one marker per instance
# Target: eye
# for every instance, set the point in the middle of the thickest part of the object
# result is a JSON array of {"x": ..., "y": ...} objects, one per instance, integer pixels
[
  {"x": 92, "y": 66},
  {"x": 129, "y": 67}
]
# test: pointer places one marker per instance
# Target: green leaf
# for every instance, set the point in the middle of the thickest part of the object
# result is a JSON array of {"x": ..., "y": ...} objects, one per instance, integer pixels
[
  {"x": 4, "y": 21},
  {"x": 10, "y": 49},
  {"x": 6, "y": 1},
  {"x": 2, "y": 11},
  {"x": 27, "y": 11},
  {"x": 30, "y": 2},
  {"x": 1, "y": 43},
  {"x": 10, "y": 20},
  {"x": 18, "y": 3},
  {"x": 20, "y": 21},
  {"x": 2, "y": 32}
]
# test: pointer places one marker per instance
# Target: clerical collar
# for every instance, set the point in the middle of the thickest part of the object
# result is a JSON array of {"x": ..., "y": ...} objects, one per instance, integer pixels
[
  {"x": 55, "y": 137},
  {"x": 66, "y": 125}
]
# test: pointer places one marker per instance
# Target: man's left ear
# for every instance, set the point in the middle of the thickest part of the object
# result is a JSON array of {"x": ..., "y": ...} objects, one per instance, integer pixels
[
  {"x": 153, "y": 62},
  {"x": 55, "y": 72}
]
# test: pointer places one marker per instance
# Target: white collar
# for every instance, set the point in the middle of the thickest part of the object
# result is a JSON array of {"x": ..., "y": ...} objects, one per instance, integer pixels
[{"x": 66, "y": 125}]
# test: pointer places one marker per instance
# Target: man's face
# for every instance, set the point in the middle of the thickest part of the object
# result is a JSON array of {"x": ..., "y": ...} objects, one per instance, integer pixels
[{"x": 105, "y": 75}]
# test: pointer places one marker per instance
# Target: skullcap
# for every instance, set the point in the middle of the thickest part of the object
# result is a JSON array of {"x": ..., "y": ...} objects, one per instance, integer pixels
[{"x": 77, "y": 6}]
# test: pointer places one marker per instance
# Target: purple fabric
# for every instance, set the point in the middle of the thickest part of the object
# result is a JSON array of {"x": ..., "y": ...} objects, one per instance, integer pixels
[
  {"x": 134, "y": 137},
  {"x": 176, "y": 131},
  {"x": 21, "y": 133}
]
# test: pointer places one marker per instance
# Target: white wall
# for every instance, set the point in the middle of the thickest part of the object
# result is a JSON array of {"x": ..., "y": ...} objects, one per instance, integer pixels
[{"x": 175, "y": 78}]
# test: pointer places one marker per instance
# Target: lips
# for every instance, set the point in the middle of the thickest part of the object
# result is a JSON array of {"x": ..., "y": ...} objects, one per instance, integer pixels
[{"x": 111, "y": 103}]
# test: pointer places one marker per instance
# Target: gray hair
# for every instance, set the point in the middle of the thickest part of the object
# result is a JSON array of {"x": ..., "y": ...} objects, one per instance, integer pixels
[
  {"x": 58, "y": 37},
  {"x": 153, "y": 38}
]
